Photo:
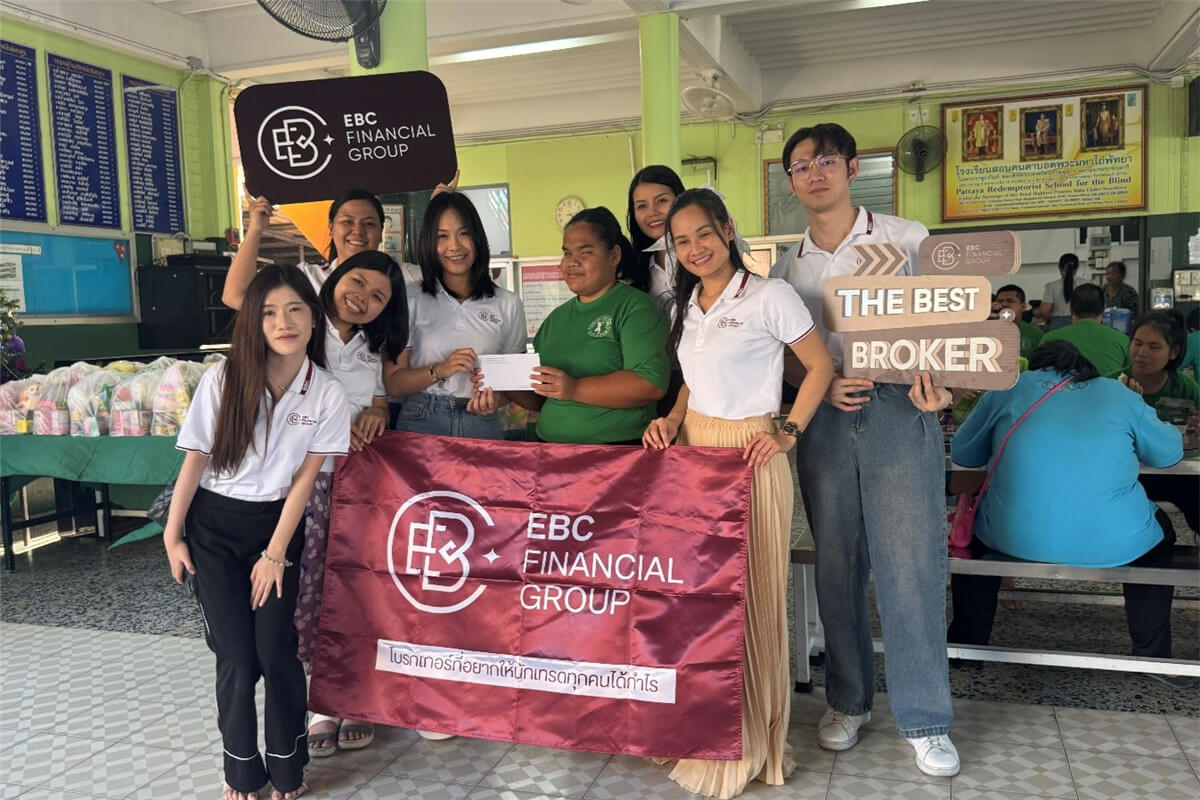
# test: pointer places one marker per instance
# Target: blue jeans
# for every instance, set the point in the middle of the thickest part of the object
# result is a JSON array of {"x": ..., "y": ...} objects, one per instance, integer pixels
[
  {"x": 444, "y": 415},
  {"x": 873, "y": 483}
]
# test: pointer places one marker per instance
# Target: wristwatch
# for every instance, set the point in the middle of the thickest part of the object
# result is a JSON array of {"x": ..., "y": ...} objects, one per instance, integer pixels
[
  {"x": 791, "y": 429},
  {"x": 433, "y": 374}
]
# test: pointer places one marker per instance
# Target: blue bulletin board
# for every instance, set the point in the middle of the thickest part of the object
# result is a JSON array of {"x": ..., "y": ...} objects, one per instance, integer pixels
[{"x": 61, "y": 274}]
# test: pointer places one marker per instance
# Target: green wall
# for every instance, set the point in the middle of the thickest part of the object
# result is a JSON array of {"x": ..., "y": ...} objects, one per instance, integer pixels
[{"x": 597, "y": 168}]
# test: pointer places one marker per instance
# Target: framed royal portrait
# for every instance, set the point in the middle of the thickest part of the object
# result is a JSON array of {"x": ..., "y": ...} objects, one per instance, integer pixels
[
  {"x": 982, "y": 133},
  {"x": 1041, "y": 132},
  {"x": 1102, "y": 122}
]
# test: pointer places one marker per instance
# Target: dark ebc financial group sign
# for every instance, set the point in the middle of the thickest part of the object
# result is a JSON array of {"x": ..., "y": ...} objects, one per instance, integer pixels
[{"x": 312, "y": 140}]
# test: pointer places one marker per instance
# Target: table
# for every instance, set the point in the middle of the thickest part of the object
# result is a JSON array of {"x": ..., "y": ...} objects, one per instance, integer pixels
[{"x": 103, "y": 460}]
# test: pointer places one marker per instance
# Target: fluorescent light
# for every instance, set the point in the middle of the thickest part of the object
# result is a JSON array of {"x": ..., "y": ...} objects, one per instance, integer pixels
[{"x": 530, "y": 48}]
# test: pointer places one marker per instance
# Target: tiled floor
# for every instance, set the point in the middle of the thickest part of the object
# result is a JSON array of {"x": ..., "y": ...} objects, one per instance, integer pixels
[{"x": 106, "y": 714}]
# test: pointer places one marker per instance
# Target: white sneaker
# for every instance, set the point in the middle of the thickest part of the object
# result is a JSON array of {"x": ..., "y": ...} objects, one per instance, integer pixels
[
  {"x": 434, "y": 736},
  {"x": 936, "y": 755},
  {"x": 838, "y": 731}
]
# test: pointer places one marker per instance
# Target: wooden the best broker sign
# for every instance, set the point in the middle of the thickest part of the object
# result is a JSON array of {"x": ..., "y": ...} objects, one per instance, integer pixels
[{"x": 898, "y": 326}]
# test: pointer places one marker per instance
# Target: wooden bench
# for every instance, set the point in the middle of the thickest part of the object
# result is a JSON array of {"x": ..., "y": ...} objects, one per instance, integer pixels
[{"x": 809, "y": 636}]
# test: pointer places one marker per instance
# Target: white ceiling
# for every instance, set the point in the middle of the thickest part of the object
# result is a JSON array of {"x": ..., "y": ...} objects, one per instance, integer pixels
[{"x": 767, "y": 52}]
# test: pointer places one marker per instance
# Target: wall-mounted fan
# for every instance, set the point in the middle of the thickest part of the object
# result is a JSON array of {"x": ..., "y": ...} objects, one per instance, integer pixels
[
  {"x": 920, "y": 150},
  {"x": 707, "y": 100},
  {"x": 334, "y": 21}
]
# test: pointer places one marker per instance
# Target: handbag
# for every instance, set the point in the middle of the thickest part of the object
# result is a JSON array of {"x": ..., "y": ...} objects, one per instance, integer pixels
[
  {"x": 161, "y": 507},
  {"x": 962, "y": 518}
]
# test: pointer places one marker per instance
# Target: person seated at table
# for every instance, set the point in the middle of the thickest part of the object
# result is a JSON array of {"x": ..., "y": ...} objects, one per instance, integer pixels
[
  {"x": 1091, "y": 420},
  {"x": 1107, "y": 349},
  {"x": 603, "y": 353},
  {"x": 1118, "y": 293},
  {"x": 1156, "y": 349},
  {"x": 1012, "y": 297}
]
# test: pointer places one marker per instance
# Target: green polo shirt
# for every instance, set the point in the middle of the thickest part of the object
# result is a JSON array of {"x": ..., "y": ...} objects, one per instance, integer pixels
[
  {"x": 1031, "y": 337},
  {"x": 1177, "y": 396},
  {"x": 1107, "y": 349},
  {"x": 622, "y": 330}
]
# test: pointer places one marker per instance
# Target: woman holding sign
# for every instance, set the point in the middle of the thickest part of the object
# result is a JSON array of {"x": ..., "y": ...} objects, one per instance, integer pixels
[
  {"x": 455, "y": 314},
  {"x": 603, "y": 354},
  {"x": 729, "y": 332}
]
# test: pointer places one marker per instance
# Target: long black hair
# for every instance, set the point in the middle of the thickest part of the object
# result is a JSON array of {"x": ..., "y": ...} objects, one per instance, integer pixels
[
  {"x": 664, "y": 176},
  {"x": 1064, "y": 358},
  {"x": 1067, "y": 264},
  {"x": 606, "y": 227},
  {"x": 346, "y": 197},
  {"x": 480, "y": 279},
  {"x": 685, "y": 281},
  {"x": 1169, "y": 325},
  {"x": 389, "y": 331},
  {"x": 245, "y": 378}
]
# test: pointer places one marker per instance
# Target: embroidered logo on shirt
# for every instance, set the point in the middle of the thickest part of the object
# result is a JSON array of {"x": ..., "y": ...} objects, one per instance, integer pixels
[
  {"x": 366, "y": 358},
  {"x": 300, "y": 419},
  {"x": 601, "y": 326},
  {"x": 488, "y": 316},
  {"x": 729, "y": 322}
]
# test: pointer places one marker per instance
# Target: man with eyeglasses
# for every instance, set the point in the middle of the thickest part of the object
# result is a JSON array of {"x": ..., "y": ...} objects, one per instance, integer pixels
[{"x": 871, "y": 467}]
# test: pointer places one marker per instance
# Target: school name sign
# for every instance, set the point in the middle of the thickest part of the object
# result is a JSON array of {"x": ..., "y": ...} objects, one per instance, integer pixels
[{"x": 897, "y": 326}]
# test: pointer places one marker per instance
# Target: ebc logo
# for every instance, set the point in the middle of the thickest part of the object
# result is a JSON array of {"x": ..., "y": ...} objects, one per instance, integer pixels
[
  {"x": 292, "y": 140},
  {"x": 428, "y": 544},
  {"x": 729, "y": 322},
  {"x": 488, "y": 316},
  {"x": 366, "y": 358},
  {"x": 300, "y": 419}
]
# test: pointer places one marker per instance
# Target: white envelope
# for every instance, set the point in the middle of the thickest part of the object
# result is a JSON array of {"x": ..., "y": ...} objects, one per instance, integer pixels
[{"x": 508, "y": 373}]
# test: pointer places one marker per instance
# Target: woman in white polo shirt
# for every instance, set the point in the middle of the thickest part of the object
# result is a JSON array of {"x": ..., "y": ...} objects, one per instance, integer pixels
[
  {"x": 651, "y": 193},
  {"x": 260, "y": 426},
  {"x": 456, "y": 314},
  {"x": 364, "y": 323},
  {"x": 729, "y": 332}
]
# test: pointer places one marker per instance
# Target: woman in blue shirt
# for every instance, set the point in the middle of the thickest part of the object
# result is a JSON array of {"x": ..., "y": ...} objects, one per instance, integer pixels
[{"x": 1092, "y": 423}]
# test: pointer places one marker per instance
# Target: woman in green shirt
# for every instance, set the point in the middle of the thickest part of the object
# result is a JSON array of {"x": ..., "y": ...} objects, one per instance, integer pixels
[
  {"x": 1156, "y": 348},
  {"x": 603, "y": 353}
]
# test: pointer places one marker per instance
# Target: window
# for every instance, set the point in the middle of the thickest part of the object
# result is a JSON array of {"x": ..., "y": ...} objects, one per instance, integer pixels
[{"x": 875, "y": 188}]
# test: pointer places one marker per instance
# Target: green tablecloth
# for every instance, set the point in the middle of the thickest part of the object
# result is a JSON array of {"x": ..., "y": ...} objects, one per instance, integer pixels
[
  {"x": 134, "y": 467},
  {"x": 140, "y": 460}
]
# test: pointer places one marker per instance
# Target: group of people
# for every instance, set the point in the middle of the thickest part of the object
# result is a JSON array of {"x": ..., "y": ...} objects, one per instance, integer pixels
[{"x": 669, "y": 340}]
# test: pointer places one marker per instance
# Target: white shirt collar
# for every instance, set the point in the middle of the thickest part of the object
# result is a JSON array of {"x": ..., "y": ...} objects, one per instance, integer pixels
[
  {"x": 733, "y": 290},
  {"x": 864, "y": 223}
]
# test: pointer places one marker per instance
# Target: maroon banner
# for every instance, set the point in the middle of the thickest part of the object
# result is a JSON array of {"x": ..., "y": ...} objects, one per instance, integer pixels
[{"x": 574, "y": 596}]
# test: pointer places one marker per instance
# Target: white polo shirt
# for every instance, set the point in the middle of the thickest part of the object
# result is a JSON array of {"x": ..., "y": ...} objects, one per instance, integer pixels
[
  {"x": 662, "y": 279},
  {"x": 806, "y": 267},
  {"x": 439, "y": 324},
  {"x": 354, "y": 365},
  {"x": 312, "y": 416},
  {"x": 732, "y": 355}
]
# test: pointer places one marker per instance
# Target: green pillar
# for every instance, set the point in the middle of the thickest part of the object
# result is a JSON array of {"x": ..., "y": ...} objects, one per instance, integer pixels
[
  {"x": 658, "y": 41},
  {"x": 403, "y": 39}
]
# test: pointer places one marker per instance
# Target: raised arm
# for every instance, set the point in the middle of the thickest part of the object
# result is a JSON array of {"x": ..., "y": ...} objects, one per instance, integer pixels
[{"x": 245, "y": 262}]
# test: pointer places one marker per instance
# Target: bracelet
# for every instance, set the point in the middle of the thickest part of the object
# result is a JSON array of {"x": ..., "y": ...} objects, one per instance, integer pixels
[
  {"x": 285, "y": 563},
  {"x": 433, "y": 374}
]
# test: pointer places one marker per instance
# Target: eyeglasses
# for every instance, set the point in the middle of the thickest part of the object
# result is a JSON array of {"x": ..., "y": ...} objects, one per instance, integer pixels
[{"x": 804, "y": 169}]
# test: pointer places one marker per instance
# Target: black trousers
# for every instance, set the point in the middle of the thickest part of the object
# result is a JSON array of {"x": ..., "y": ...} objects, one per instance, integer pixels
[
  {"x": 225, "y": 537},
  {"x": 1147, "y": 608},
  {"x": 1182, "y": 491}
]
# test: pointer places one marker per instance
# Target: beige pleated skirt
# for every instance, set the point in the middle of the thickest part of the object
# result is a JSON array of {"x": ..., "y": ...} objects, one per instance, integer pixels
[{"x": 766, "y": 699}]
